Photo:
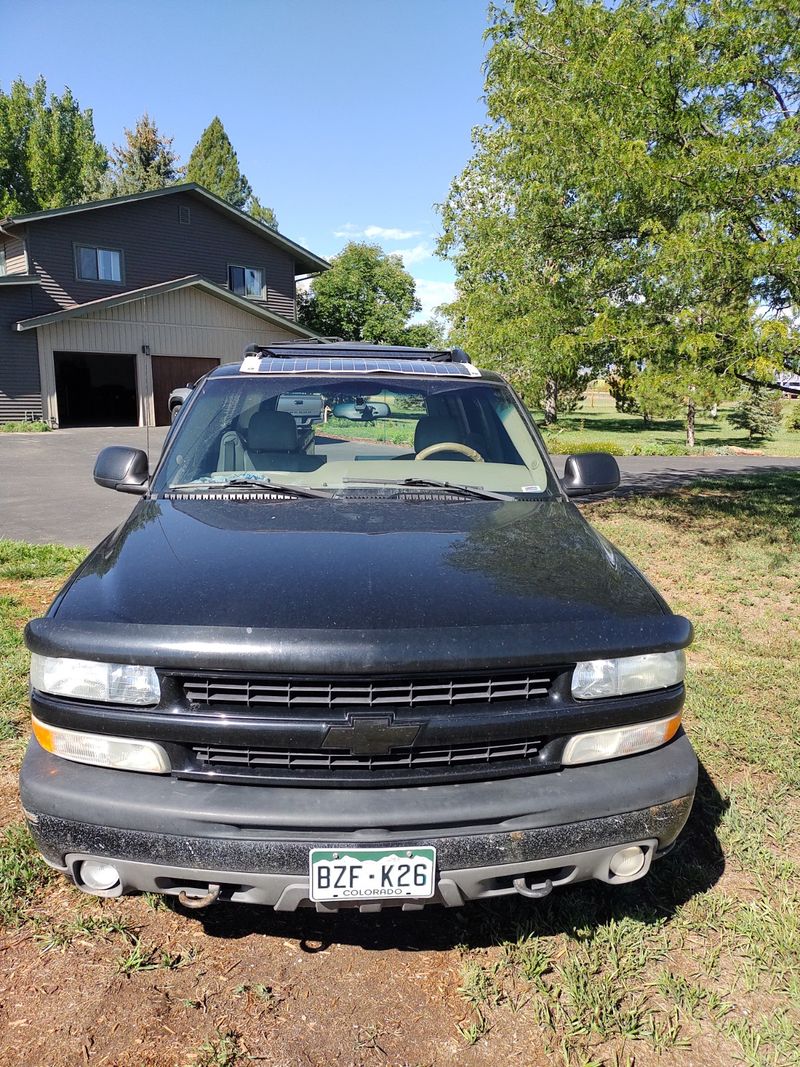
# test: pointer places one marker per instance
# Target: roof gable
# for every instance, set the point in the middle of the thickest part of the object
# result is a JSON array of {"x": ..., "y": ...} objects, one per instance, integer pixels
[
  {"x": 308, "y": 261},
  {"x": 191, "y": 280}
]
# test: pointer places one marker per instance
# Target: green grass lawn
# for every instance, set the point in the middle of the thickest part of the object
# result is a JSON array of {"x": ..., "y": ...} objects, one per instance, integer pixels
[
  {"x": 597, "y": 425},
  {"x": 395, "y": 431},
  {"x": 697, "y": 964}
]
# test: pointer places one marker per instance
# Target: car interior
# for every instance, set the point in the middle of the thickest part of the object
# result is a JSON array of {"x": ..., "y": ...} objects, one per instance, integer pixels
[{"x": 356, "y": 421}]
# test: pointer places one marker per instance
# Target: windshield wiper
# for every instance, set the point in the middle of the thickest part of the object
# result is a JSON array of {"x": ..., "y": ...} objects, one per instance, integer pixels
[
  {"x": 431, "y": 483},
  {"x": 248, "y": 483}
]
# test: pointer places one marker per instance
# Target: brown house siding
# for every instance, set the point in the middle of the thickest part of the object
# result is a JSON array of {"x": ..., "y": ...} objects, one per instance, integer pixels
[
  {"x": 155, "y": 247},
  {"x": 20, "y": 393}
]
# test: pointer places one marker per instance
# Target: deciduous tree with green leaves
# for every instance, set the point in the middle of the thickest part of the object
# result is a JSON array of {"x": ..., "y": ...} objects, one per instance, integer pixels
[
  {"x": 634, "y": 197},
  {"x": 215, "y": 165},
  {"x": 683, "y": 391},
  {"x": 146, "y": 161},
  {"x": 49, "y": 156},
  {"x": 367, "y": 295}
]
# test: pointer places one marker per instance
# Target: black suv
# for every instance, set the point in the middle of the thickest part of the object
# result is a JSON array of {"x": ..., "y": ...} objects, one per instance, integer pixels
[{"x": 386, "y": 663}]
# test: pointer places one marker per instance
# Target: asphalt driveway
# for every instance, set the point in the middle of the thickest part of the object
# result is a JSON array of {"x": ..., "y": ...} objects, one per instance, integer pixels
[{"x": 47, "y": 492}]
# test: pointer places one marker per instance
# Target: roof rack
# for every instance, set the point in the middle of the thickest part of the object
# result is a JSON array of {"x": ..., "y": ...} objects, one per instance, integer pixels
[{"x": 354, "y": 349}]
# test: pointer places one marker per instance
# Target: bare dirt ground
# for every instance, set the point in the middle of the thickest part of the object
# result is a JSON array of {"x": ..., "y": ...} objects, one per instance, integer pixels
[{"x": 238, "y": 985}]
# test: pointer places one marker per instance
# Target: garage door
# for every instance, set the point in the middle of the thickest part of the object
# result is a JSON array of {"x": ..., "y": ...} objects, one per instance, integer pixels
[
  {"x": 170, "y": 372},
  {"x": 95, "y": 389}
]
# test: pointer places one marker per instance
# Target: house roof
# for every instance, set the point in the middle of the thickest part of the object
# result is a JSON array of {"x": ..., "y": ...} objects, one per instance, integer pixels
[
  {"x": 308, "y": 261},
  {"x": 194, "y": 281}
]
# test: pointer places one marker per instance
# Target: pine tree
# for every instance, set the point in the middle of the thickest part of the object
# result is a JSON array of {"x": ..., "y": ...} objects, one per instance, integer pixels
[
  {"x": 145, "y": 162},
  {"x": 215, "y": 165},
  {"x": 262, "y": 213},
  {"x": 757, "y": 413},
  {"x": 49, "y": 156}
]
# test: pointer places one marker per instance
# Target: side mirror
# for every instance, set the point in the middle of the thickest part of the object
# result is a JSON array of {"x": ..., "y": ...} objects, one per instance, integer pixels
[
  {"x": 589, "y": 473},
  {"x": 121, "y": 468}
]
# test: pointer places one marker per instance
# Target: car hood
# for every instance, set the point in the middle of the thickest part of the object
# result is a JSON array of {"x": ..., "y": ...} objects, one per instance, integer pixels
[{"x": 338, "y": 585}]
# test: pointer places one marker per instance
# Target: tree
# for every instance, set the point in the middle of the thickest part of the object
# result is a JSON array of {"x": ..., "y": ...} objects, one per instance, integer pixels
[
  {"x": 685, "y": 390},
  {"x": 215, "y": 165},
  {"x": 367, "y": 295},
  {"x": 49, "y": 156},
  {"x": 635, "y": 193},
  {"x": 145, "y": 162},
  {"x": 430, "y": 334},
  {"x": 262, "y": 213},
  {"x": 757, "y": 413}
]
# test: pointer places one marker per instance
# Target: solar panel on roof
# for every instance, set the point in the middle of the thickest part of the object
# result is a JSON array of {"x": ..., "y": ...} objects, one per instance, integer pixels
[
  {"x": 354, "y": 350},
  {"x": 356, "y": 365}
]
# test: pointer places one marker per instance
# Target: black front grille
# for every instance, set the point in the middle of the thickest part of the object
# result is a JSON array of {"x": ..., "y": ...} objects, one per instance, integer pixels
[
  {"x": 211, "y": 757},
  {"x": 249, "y": 692}
]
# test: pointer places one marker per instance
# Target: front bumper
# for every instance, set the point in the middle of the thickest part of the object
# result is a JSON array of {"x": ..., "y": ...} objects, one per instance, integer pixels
[{"x": 168, "y": 835}]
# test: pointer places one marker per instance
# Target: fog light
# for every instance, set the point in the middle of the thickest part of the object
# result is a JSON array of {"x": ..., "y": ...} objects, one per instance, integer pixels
[
  {"x": 628, "y": 861},
  {"x": 98, "y": 876}
]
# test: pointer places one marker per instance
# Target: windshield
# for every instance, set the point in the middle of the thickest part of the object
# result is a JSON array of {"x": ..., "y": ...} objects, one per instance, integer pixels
[{"x": 337, "y": 432}]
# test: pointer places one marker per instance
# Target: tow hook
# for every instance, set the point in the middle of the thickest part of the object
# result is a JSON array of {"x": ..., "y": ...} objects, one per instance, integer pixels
[
  {"x": 535, "y": 892},
  {"x": 199, "y": 902}
]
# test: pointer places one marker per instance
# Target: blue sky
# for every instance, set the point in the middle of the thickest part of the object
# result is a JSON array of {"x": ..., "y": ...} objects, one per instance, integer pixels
[{"x": 350, "y": 117}]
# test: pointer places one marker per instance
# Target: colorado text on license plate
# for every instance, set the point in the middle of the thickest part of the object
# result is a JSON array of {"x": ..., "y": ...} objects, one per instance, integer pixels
[{"x": 365, "y": 873}]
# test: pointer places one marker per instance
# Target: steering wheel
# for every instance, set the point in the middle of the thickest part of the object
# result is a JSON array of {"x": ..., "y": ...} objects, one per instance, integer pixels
[{"x": 450, "y": 446}]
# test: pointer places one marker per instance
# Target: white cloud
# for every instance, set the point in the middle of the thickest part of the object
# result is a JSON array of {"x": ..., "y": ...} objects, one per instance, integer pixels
[
  {"x": 390, "y": 233},
  {"x": 386, "y": 233},
  {"x": 415, "y": 254},
  {"x": 431, "y": 294}
]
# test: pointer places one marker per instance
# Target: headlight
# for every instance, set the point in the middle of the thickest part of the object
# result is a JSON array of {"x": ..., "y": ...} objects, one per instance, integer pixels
[
  {"x": 619, "y": 741},
  {"x": 124, "y": 754},
  {"x": 108, "y": 683},
  {"x": 630, "y": 674}
]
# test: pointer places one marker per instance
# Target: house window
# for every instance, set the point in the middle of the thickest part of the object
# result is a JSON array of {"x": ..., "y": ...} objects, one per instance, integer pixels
[
  {"x": 246, "y": 281},
  {"x": 98, "y": 264},
  {"x": 2, "y": 259}
]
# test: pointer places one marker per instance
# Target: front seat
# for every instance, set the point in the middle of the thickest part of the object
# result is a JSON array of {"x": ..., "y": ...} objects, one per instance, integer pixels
[
  {"x": 272, "y": 444},
  {"x": 436, "y": 429}
]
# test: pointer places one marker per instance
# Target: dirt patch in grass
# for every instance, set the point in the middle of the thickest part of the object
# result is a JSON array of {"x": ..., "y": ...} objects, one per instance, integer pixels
[
  {"x": 697, "y": 964},
  {"x": 271, "y": 993}
]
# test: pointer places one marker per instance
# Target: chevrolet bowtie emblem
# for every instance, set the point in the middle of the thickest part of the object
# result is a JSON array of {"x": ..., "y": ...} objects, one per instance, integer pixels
[{"x": 371, "y": 736}]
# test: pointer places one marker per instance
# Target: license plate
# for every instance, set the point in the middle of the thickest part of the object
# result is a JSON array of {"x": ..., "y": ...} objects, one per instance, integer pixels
[{"x": 372, "y": 873}]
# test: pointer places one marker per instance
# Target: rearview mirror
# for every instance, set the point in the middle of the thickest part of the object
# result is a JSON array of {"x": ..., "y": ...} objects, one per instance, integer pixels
[
  {"x": 589, "y": 473},
  {"x": 122, "y": 468},
  {"x": 361, "y": 410}
]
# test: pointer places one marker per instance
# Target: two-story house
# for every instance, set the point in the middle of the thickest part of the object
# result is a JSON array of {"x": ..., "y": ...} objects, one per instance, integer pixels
[{"x": 105, "y": 307}]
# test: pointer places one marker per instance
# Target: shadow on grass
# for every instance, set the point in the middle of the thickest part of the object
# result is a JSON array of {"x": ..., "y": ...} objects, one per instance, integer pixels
[
  {"x": 601, "y": 423},
  {"x": 765, "y": 488},
  {"x": 694, "y": 866}
]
